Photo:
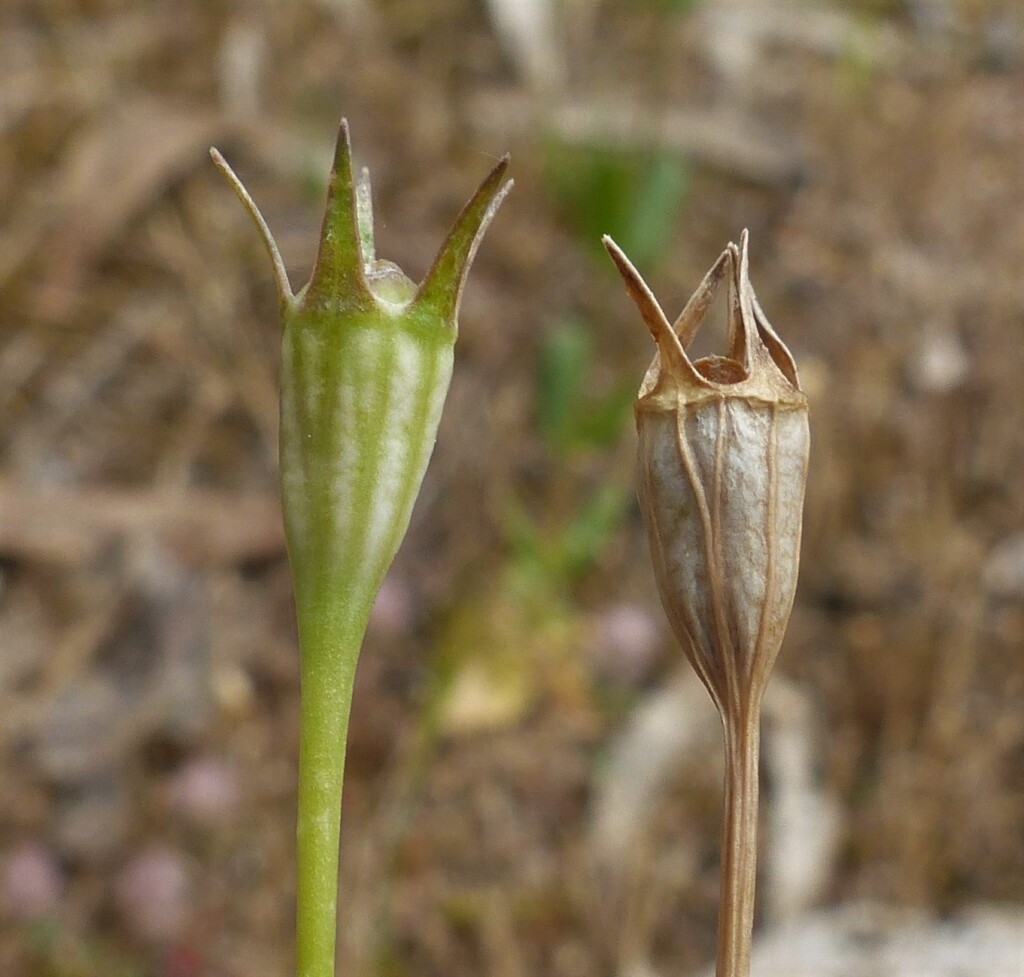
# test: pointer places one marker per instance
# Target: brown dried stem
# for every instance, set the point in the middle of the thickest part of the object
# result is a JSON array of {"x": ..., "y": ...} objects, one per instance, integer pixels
[{"x": 739, "y": 845}]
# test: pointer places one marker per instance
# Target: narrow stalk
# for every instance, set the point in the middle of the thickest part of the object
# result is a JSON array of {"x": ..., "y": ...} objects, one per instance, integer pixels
[
  {"x": 328, "y": 672},
  {"x": 739, "y": 845}
]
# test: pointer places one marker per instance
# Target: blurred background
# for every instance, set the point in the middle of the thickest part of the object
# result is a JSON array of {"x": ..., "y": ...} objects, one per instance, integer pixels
[{"x": 534, "y": 779}]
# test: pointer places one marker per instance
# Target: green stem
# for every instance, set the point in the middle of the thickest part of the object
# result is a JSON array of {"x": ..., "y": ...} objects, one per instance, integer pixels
[{"x": 330, "y": 646}]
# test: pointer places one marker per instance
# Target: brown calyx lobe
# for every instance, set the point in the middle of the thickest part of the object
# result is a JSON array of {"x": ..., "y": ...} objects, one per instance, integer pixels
[{"x": 757, "y": 366}]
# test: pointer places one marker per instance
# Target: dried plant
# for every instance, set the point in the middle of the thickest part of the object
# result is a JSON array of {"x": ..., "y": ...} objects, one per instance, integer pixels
[
  {"x": 723, "y": 445},
  {"x": 367, "y": 359}
]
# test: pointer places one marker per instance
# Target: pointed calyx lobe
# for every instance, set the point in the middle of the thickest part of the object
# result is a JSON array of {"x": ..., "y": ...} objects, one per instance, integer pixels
[
  {"x": 756, "y": 361},
  {"x": 348, "y": 271},
  {"x": 339, "y": 275},
  {"x": 441, "y": 290},
  {"x": 348, "y": 275},
  {"x": 723, "y": 445}
]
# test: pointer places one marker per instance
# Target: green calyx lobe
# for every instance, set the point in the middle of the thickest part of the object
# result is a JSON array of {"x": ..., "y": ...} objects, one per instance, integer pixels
[{"x": 348, "y": 274}]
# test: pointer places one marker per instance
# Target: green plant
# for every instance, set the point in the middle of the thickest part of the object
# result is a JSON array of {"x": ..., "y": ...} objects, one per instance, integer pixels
[
  {"x": 366, "y": 362},
  {"x": 570, "y": 415},
  {"x": 635, "y": 196}
]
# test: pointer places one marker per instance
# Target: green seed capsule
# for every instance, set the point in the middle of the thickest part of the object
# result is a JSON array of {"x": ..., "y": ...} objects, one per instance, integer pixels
[{"x": 366, "y": 363}]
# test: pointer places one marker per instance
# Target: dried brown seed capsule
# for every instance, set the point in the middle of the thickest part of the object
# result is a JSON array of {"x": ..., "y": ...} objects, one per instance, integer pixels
[
  {"x": 722, "y": 467},
  {"x": 723, "y": 445}
]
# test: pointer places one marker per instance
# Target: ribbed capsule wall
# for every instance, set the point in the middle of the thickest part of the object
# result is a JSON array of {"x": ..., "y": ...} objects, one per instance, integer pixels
[{"x": 721, "y": 484}]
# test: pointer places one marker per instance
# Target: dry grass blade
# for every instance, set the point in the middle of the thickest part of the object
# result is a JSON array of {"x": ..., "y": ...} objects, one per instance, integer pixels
[{"x": 201, "y": 527}]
